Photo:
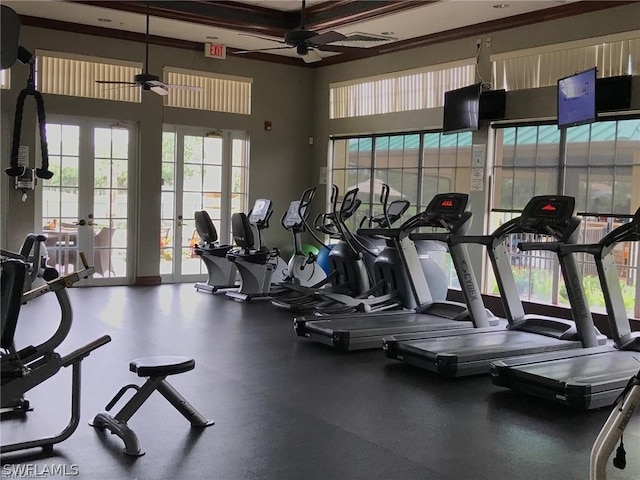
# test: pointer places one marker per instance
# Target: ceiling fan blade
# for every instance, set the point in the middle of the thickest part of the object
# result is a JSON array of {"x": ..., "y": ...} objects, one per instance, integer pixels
[
  {"x": 184, "y": 87},
  {"x": 327, "y": 37},
  {"x": 311, "y": 56},
  {"x": 114, "y": 82},
  {"x": 260, "y": 37},
  {"x": 159, "y": 89},
  {"x": 348, "y": 50},
  {"x": 262, "y": 50}
]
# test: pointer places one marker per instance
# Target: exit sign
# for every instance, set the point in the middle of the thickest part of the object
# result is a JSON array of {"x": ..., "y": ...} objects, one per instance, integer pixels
[{"x": 215, "y": 50}]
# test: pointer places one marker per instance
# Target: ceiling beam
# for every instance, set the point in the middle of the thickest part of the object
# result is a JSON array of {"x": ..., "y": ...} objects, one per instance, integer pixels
[{"x": 167, "y": 9}]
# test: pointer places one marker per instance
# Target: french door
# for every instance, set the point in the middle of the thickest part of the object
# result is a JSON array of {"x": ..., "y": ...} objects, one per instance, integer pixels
[
  {"x": 86, "y": 205},
  {"x": 201, "y": 170}
]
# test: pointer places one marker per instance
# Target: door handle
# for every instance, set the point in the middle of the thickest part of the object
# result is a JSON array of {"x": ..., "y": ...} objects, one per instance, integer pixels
[{"x": 80, "y": 222}]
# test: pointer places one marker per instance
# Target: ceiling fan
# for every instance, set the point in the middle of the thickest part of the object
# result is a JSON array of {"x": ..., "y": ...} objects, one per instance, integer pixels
[
  {"x": 146, "y": 80},
  {"x": 307, "y": 43}
]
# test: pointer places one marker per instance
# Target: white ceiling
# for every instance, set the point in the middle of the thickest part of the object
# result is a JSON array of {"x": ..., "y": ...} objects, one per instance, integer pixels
[{"x": 416, "y": 22}]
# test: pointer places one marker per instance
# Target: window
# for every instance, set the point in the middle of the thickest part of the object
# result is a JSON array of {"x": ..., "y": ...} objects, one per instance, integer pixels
[
  {"x": 76, "y": 75},
  {"x": 542, "y": 67},
  {"x": 416, "y": 166},
  {"x": 220, "y": 93},
  {"x": 600, "y": 166},
  {"x": 399, "y": 91}
]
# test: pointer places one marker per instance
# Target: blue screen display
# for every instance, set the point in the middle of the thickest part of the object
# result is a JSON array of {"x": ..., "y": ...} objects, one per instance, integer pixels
[{"x": 577, "y": 99}]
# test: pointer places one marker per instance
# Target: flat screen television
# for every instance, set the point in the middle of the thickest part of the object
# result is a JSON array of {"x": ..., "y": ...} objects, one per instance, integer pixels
[
  {"x": 493, "y": 104},
  {"x": 613, "y": 93},
  {"x": 462, "y": 109},
  {"x": 577, "y": 99}
]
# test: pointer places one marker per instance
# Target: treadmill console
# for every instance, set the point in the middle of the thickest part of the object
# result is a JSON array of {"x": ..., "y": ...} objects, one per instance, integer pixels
[
  {"x": 260, "y": 212},
  {"x": 447, "y": 205},
  {"x": 549, "y": 210}
]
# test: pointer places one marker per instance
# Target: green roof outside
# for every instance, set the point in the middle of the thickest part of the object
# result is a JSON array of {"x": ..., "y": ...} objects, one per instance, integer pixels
[
  {"x": 410, "y": 141},
  {"x": 594, "y": 132},
  {"x": 542, "y": 134}
]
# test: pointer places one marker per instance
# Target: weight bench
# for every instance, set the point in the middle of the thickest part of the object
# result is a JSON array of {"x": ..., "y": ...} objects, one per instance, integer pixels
[{"x": 155, "y": 369}]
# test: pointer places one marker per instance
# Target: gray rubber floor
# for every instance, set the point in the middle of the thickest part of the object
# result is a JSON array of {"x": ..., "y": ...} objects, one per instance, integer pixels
[{"x": 285, "y": 408}]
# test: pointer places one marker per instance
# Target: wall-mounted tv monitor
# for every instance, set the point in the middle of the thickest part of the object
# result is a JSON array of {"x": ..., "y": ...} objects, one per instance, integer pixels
[
  {"x": 462, "y": 109},
  {"x": 493, "y": 104},
  {"x": 577, "y": 99},
  {"x": 613, "y": 93}
]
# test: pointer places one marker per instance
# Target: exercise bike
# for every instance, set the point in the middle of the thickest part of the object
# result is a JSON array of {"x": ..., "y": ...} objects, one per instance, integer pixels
[
  {"x": 222, "y": 274},
  {"x": 302, "y": 268},
  {"x": 259, "y": 266}
]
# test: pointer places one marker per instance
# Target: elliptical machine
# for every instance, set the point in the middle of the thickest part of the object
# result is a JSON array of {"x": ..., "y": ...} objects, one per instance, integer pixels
[
  {"x": 302, "y": 268},
  {"x": 374, "y": 250},
  {"x": 258, "y": 266},
  {"x": 222, "y": 273}
]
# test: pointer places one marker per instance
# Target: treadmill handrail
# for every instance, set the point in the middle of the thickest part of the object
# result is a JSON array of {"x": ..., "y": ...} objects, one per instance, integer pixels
[
  {"x": 435, "y": 236},
  {"x": 550, "y": 246},
  {"x": 479, "y": 239},
  {"x": 392, "y": 233},
  {"x": 592, "y": 248}
]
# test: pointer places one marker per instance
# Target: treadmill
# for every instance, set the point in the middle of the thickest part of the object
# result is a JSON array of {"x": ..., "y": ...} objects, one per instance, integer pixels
[
  {"x": 471, "y": 351},
  {"x": 366, "y": 330},
  {"x": 591, "y": 377}
]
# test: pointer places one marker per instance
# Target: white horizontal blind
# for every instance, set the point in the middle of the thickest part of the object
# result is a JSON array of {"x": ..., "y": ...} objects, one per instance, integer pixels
[
  {"x": 400, "y": 91},
  {"x": 76, "y": 75},
  {"x": 533, "y": 68},
  {"x": 220, "y": 93},
  {"x": 5, "y": 79}
]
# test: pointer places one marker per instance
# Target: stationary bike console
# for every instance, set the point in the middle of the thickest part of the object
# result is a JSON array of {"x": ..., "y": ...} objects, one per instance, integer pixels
[
  {"x": 293, "y": 217},
  {"x": 260, "y": 212}
]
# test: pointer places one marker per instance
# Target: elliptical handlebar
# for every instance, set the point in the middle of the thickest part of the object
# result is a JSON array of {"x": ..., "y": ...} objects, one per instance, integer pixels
[
  {"x": 384, "y": 200},
  {"x": 305, "y": 200}
]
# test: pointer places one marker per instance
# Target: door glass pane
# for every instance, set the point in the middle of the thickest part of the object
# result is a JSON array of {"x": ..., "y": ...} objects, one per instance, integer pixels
[
  {"x": 110, "y": 202},
  {"x": 60, "y": 197},
  {"x": 167, "y": 206}
]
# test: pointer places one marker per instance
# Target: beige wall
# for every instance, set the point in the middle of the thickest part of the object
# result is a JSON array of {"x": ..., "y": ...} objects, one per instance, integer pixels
[
  {"x": 294, "y": 99},
  {"x": 279, "y": 159},
  {"x": 535, "y": 103}
]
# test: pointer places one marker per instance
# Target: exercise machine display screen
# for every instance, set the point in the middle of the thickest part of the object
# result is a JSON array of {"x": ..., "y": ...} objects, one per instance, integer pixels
[
  {"x": 260, "y": 210},
  {"x": 292, "y": 217},
  {"x": 447, "y": 204},
  {"x": 553, "y": 208}
]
